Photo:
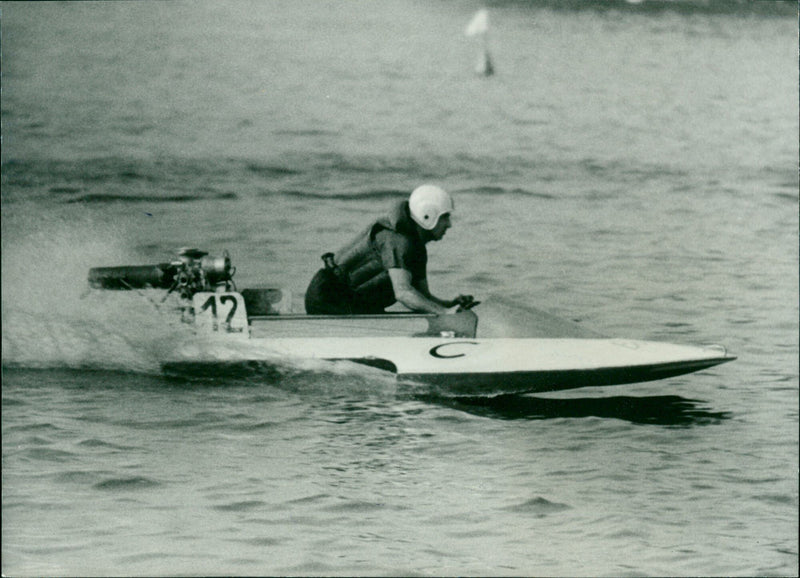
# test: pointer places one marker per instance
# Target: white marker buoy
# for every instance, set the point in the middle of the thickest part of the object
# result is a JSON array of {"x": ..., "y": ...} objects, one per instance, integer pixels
[{"x": 479, "y": 26}]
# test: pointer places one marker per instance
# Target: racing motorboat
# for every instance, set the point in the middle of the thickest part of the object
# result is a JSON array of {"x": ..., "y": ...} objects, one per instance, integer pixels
[{"x": 255, "y": 327}]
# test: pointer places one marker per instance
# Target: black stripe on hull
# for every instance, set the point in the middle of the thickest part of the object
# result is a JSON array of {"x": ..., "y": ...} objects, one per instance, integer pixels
[
  {"x": 542, "y": 381},
  {"x": 488, "y": 383}
]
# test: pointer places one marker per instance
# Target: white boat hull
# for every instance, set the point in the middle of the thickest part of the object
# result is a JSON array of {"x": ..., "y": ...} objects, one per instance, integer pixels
[{"x": 457, "y": 366}]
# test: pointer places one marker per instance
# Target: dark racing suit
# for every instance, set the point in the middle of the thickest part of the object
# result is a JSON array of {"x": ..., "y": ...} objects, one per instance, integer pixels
[{"x": 356, "y": 280}]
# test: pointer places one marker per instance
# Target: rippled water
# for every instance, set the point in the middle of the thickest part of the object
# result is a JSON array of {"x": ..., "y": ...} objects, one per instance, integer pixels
[{"x": 631, "y": 167}]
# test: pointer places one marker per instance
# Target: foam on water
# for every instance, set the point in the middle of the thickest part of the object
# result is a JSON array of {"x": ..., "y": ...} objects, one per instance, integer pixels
[
  {"x": 212, "y": 356},
  {"x": 52, "y": 319}
]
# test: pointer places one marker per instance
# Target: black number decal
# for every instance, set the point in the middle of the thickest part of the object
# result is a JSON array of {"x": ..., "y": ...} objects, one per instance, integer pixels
[
  {"x": 225, "y": 299},
  {"x": 210, "y": 302}
]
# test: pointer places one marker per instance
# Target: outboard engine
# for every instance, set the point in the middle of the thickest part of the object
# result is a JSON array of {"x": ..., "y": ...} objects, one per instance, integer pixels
[{"x": 194, "y": 271}]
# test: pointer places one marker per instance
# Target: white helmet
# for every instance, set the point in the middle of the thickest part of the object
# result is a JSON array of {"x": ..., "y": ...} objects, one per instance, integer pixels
[{"x": 427, "y": 203}]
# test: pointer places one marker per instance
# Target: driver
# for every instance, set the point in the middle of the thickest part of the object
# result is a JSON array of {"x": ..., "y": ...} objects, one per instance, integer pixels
[{"x": 387, "y": 262}]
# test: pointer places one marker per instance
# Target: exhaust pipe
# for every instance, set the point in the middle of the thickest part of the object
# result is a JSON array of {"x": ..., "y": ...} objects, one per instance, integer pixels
[
  {"x": 160, "y": 276},
  {"x": 194, "y": 271}
]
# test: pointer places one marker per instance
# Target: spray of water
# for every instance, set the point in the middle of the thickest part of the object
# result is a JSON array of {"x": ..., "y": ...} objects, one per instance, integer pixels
[{"x": 52, "y": 319}]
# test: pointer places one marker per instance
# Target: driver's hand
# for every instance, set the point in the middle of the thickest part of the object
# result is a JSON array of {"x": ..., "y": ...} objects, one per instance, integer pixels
[{"x": 464, "y": 301}]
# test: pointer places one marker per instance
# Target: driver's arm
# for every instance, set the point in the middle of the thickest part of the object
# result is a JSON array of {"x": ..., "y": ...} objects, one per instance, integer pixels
[
  {"x": 423, "y": 288},
  {"x": 413, "y": 298}
]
